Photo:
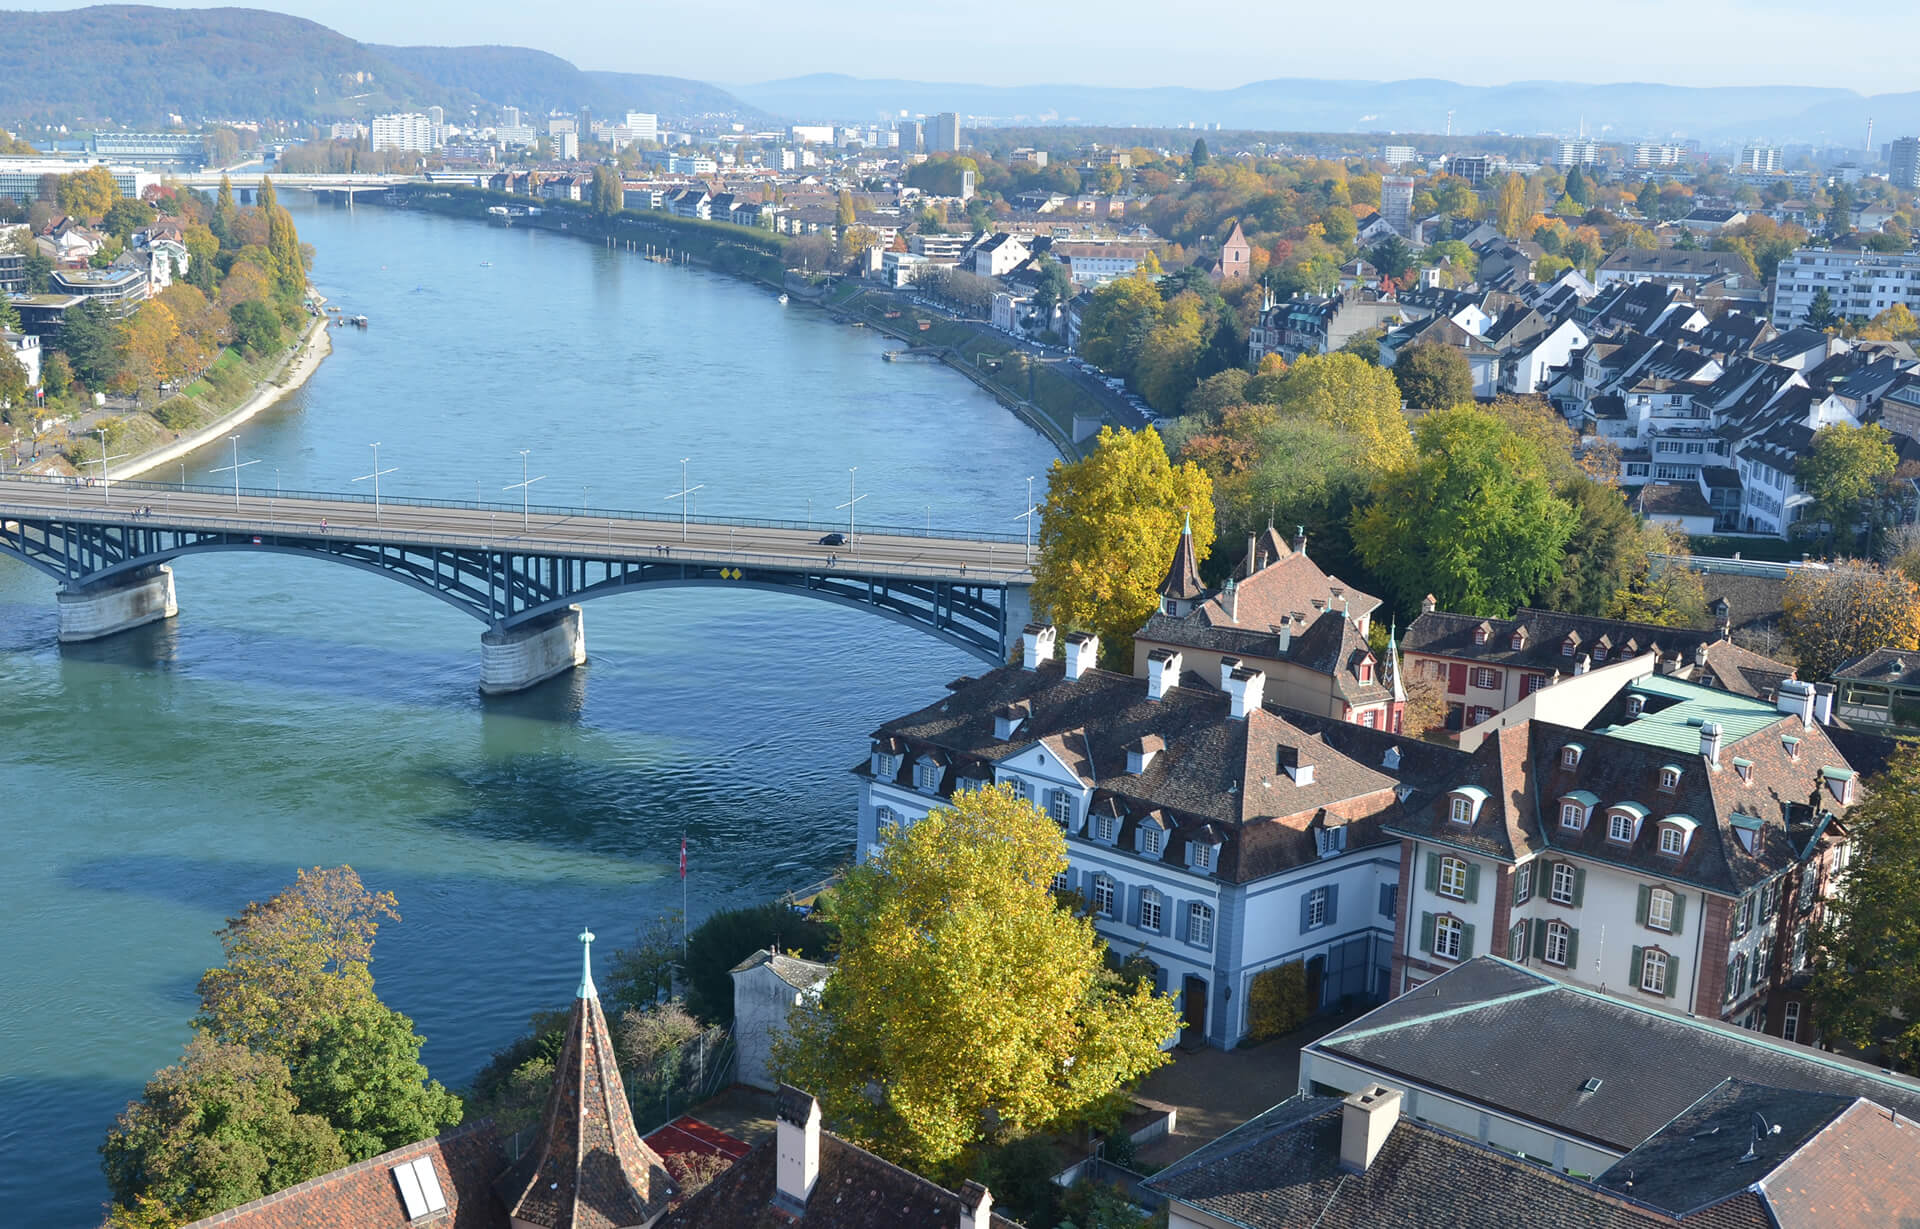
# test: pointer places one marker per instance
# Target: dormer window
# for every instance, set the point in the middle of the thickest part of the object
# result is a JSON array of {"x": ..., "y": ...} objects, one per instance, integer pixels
[
  {"x": 1744, "y": 768},
  {"x": 1200, "y": 854},
  {"x": 926, "y": 776},
  {"x": 1567, "y": 646},
  {"x": 1570, "y": 755},
  {"x": 1574, "y": 809},
  {"x": 1150, "y": 840},
  {"x": 1669, "y": 779},
  {"x": 1461, "y": 811},
  {"x": 1839, "y": 783},
  {"x": 1792, "y": 747},
  {"x": 1104, "y": 828},
  {"x": 1463, "y": 805},
  {"x": 885, "y": 766},
  {"x": 1623, "y": 822},
  {"x": 1480, "y": 634},
  {"x": 1518, "y": 640},
  {"x": 1365, "y": 671},
  {"x": 1676, "y": 831}
]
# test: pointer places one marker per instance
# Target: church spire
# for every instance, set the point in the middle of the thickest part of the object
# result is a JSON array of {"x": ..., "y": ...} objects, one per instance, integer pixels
[
  {"x": 587, "y": 989},
  {"x": 1182, "y": 586}
]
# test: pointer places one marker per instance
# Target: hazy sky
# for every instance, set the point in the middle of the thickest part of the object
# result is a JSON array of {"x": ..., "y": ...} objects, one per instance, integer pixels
[{"x": 1859, "y": 45}]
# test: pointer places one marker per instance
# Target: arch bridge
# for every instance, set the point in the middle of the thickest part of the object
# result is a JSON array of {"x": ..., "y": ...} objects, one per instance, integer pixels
[{"x": 521, "y": 570}]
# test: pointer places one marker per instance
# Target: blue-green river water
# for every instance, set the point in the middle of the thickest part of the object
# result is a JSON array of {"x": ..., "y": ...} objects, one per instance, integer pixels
[{"x": 298, "y": 714}]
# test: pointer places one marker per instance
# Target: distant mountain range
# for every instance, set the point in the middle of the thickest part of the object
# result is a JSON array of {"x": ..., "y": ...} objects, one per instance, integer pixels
[
  {"x": 136, "y": 65},
  {"x": 1779, "y": 114}
]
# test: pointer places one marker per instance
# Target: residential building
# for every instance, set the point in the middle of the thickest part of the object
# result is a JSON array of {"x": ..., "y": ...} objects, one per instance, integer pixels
[
  {"x": 1903, "y": 163},
  {"x": 1475, "y": 168},
  {"x": 1648, "y": 155},
  {"x": 1579, "y": 152},
  {"x": 1859, "y": 282},
  {"x": 1623, "y": 1071},
  {"x": 122, "y": 288},
  {"x": 998, "y": 254},
  {"x": 1761, "y": 159},
  {"x": 944, "y": 136},
  {"x": 1397, "y": 155},
  {"x": 1672, "y": 847},
  {"x": 1213, "y": 836},
  {"x": 1396, "y": 203},
  {"x": 411, "y": 131},
  {"x": 41, "y": 315},
  {"x": 1709, "y": 219},
  {"x": 812, "y": 134},
  {"x": 1673, "y": 266},
  {"x": 25, "y": 348},
  {"x": 1032, "y": 159},
  {"x": 947, "y": 246},
  {"x": 1095, "y": 264},
  {"x": 20, "y": 177},
  {"x": 16, "y": 240},
  {"x": 768, "y": 987},
  {"x": 643, "y": 126},
  {"x": 1314, "y": 324},
  {"x": 566, "y": 144}
]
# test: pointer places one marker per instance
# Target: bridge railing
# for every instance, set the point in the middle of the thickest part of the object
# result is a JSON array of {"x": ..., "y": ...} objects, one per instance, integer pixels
[
  {"x": 850, "y": 565},
  {"x": 402, "y": 501}
]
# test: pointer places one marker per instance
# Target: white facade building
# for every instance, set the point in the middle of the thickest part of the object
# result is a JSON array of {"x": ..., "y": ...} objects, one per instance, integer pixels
[
  {"x": 1581, "y": 152},
  {"x": 411, "y": 131},
  {"x": 1859, "y": 283},
  {"x": 643, "y": 126}
]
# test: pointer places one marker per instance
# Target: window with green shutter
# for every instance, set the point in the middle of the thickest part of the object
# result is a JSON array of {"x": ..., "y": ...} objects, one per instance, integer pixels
[
  {"x": 1426, "y": 932},
  {"x": 1433, "y": 872},
  {"x": 1473, "y": 882},
  {"x": 1466, "y": 942}
]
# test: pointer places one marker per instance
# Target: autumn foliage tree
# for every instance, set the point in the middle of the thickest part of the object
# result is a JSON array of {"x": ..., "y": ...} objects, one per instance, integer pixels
[
  {"x": 1433, "y": 377},
  {"x": 968, "y": 1001},
  {"x": 1831, "y": 616},
  {"x": 1110, "y": 524}
]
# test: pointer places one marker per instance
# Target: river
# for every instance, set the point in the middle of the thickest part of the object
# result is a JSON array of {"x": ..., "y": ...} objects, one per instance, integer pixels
[{"x": 298, "y": 714}]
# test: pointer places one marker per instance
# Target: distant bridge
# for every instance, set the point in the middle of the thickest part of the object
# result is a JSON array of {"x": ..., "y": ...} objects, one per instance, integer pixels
[
  {"x": 521, "y": 571},
  {"x": 250, "y": 180}
]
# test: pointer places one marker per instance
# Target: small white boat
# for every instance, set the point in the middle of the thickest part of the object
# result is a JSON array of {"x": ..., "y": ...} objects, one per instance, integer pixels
[{"x": 782, "y": 300}]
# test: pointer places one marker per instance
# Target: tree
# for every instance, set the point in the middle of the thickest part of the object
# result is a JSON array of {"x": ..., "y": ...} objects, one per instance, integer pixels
[
  {"x": 1846, "y": 472},
  {"x": 1055, "y": 288},
  {"x": 218, "y": 1129},
  {"x": 1472, "y": 520},
  {"x": 127, "y": 215},
  {"x": 1820, "y": 313},
  {"x": 361, "y": 1072},
  {"x": 56, "y": 374},
  {"x": 609, "y": 194},
  {"x": 968, "y": 1001},
  {"x": 1867, "y": 964},
  {"x": 87, "y": 194},
  {"x": 1199, "y": 157},
  {"x": 1169, "y": 359},
  {"x": 1603, "y": 552},
  {"x": 287, "y": 266},
  {"x": 1831, "y": 617},
  {"x": 730, "y": 936},
  {"x": 225, "y": 214},
  {"x": 1433, "y": 377},
  {"x": 256, "y": 326},
  {"x": 1116, "y": 321},
  {"x": 90, "y": 337},
  {"x": 844, "y": 213},
  {"x": 1211, "y": 396},
  {"x": 1578, "y": 188},
  {"x": 1111, "y": 522},
  {"x": 1664, "y": 592},
  {"x": 203, "y": 250},
  {"x": 39, "y": 268},
  {"x": 150, "y": 346},
  {"x": 1345, "y": 391},
  {"x": 13, "y": 384},
  {"x": 1896, "y": 323},
  {"x": 1394, "y": 257},
  {"x": 1510, "y": 211}
]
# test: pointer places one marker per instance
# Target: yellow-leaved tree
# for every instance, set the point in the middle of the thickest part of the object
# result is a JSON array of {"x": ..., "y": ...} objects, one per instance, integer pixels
[
  {"x": 1346, "y": 391},
  {"x": 1111, "y": 522},
  {"x": 1832, "y": 617},
  {"x": 968, "y": 1000}
]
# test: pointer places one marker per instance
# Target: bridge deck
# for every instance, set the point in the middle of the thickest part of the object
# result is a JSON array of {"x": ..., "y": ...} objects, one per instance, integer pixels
[{"x": 594, "y": 533}]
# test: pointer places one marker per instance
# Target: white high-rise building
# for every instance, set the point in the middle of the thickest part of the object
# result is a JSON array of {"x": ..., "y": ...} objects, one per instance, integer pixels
[
  {"x": 1396, "y": 203},
  {"x": 437, "y": 115},
  {"x": 945, "y": 138},
  {"x": 1396, "y": 155},
  {"x": 566, "y": 145},
  {"x": 509, "y": 117},
  {"x": 1581, "y": 152},
  {"x": 1765, "y": 158},
  {"x": 643, "y": 126},
  {"x": 411, "y": 131},
  {"x": 1857, "y": 283},
  {"x": 1650, "y": 154}
]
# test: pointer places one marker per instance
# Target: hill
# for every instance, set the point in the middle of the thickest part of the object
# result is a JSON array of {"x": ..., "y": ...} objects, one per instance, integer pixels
[
  {"x": 1618, "y": 111},
  {"x": 135, "y": 65}
]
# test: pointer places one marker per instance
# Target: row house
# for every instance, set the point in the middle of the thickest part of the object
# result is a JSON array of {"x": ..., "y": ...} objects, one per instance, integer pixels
[
  {"x": 1486, "y": 666},
  {"x": 1318, "y": 324},
  {"x": 1676, "y": 849},
  {"x": 1206, "y": 832},
  {"x": 1279, "y": 613}
]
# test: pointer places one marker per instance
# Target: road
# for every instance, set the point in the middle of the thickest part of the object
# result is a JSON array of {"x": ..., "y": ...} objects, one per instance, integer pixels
[{"x": 599, "y": 535}]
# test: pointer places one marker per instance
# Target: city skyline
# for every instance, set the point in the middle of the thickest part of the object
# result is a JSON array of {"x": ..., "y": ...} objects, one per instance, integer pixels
[{"x": 1082, "y": 43}]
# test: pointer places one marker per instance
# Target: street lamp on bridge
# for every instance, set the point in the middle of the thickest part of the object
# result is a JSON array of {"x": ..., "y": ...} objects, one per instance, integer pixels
[
  {"x": 236, "y": 467},
  {"x": 1027, "y": 516},
  {"x": 682, "y": 495},
  {"x": 106, "y": 487},
  {"x": 375, "y": 476},
  {"x": 852, "y": 499},
  {"x": 525, "y": 487}
]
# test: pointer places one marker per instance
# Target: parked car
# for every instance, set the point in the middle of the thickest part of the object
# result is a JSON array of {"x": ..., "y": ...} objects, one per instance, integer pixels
[{"x": 833, "y": 539}]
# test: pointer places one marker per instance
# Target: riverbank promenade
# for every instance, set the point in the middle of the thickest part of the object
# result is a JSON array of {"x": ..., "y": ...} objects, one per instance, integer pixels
[{"x": 521, "y": 569}]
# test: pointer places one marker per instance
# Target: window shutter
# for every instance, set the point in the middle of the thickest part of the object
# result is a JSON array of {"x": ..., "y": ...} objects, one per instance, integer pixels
[
  {"x": 1306, "y": 909},
  {"x": 1466, "y": 942},
  {"x": 1540, "y": 941},
  {"x": 1640, "y": 910},
  {"x": 1579, "y": 885},
  {"x": 1389, "y": 897},
  {"x": 1426, "y": 932},
  {"x": 1473, "y": 882},
  {"x": 1133, "y": 907},
  {"x": 1673, "y": 976},
  {"x": 1333, "y": 903},
  {"x": 1639, "y": 964},
  {"x": 1543, "y": 878},
  {"x": 1433, "y": 872},
  {"x": 1573, "y": 947},
  {"x": 1679, "y": 911}
]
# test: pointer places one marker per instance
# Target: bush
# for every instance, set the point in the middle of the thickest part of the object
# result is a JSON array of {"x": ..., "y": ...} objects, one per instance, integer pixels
[
  {"x": 1278, "y": 1001},
  {"x": 730, "y": 936},
  {"x": 178, "y": 414}
]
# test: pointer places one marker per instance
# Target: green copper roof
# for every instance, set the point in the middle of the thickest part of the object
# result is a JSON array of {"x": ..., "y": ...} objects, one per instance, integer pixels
[{"x": 1677, "y": 726}]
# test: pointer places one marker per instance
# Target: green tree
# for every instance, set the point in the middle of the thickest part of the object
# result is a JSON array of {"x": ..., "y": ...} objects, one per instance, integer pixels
[
  {"x": 1473, "y": 520},
  {"x": 609, "y": 194},
  {"x": 1345, "y": 391},
  {"x": 226, "y": 215},
  {"x": 39, "y": 267},
  {"x": 13, "y": 384},
  {"x": 1111, "y": 522},
  {"x": 1820, "y": 313},
  {"x": 1867, "y": 964},
  {"x": 1115, "y": 324},
  {"x": 1055, "y": 287},
  {"x": 726, "y": 938},
  {"x": 90, "y": 338},
  {"x": 1211, "y": 396},
  {"x": 1341, "y": 228},
  {"x": 362, "y": 1073},
  {"x": 9, "y": 315},
  {"x": 1603, "y": 553},
  {"x": 966, "y": 993},
  {"x": 1433, "y": 377},
  {"x": 1169, "y": 359},
  {"x": 1833, "y": 616},
  {"x": 1846, "y": 472},
  {"x": 56, "y": 374},
  {"x": 1394, "y": 257},
  {"x": 1199, "y": 156},
  {"x": 127, "y": 215},
  {"x": 1578, "y": 188},
  {"x": 256, "y": 326},
  {"x": 287, "y": 265},
  {"x": 218, "y": 1129}
]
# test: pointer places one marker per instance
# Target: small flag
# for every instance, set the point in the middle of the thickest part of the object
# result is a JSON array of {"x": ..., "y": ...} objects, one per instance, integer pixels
[{"x": 683, "y": 857}]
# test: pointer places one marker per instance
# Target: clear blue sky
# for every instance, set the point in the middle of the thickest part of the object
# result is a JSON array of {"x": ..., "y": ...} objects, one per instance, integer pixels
[{"x": 1151, "y": 42}]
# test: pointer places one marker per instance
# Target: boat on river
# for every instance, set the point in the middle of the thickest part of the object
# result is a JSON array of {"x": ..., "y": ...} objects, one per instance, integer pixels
[{"x": 782, "y": 300}]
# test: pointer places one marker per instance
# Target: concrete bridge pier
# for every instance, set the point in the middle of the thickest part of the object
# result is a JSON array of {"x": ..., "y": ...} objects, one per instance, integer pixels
[
  {"x": 516, "y": 658},
  {"x": 116, "y": 605}
]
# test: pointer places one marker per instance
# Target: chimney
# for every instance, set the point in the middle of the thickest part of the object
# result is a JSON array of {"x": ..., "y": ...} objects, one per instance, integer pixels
[
  {"x": 1299, "y": 539},
  {"x": 1230, "y": 598},
  {"x": 1227, "y": 666},
  {"x": 976, "y": 1206},
  {"x": 1008, "y": 718},
  {"x": 1710, "y": 742},
  {"x": 1700, "y": 654},
  {"x": 1795, "y": 697},
  {"x": 1366, "y": 1119},
  {"x": 1823, "y": 703},
  {"x": 1428, "y": 604},
  {"x": 797, "y": 1124},
  {"x": 1285, "y": 631},
  {"x": 1163, "y": 673},
  {"x": 1083, "y": 649},
  {"x": 1294, "y": 762},
  {"x": 1247, "y": 687},
  {"x": 1253, "y": 553},
  {"x": 1140, "y": 752},
  {"x": 1582, "y": 664},
  {"x": 1036, "y": 643}
]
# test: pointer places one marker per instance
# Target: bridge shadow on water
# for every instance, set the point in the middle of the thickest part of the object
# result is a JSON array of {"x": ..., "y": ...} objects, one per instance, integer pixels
[{"x": 44, "y": 1180}]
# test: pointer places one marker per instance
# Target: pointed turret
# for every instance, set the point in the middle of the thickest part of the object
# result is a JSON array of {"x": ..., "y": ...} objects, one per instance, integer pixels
[
  {"x": 1182, "y": 587},
  {"x": 1393, "y": 663},
  {"x": 587, "y": 1168}
]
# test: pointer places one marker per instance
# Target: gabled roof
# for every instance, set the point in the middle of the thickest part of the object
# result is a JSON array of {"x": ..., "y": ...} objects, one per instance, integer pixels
[{"x": 1183, "y": 573}]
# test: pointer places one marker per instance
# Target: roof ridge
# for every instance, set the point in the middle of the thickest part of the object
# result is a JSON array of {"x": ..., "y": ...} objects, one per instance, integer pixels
[{"x": 1450, "y": 1012}]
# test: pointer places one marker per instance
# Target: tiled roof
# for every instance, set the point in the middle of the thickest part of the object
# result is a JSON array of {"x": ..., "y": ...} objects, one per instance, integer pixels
[
  {"x": 1859, "y": 1174},
  {"x": 367, "y": 1196},
  {"x": 1183, "y": 574},
  {"x": 1888, "y": 667},
  {"x": 1436, "y": 633},
  {"x": 1288, "y": 1174},
  {"x": 1475, "y": 1033},
  {"x": 1743, "y": 671},
  {"x": 855, "y": 1190},
  {"x": 800, "y": 974}
]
